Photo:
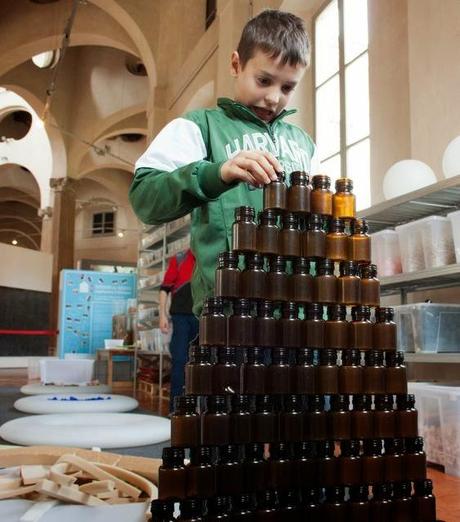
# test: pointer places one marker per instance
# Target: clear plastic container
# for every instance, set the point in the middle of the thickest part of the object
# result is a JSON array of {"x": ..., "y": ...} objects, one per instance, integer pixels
[
  {"x": 411, "y": 246},
  {"x": 385, "y": 252},
  {"x": 454, "y": 218},
  {"x": 428, "y": 327},
  {"x": 439, "y": 423},
  {"x": 438, "y": 245}
]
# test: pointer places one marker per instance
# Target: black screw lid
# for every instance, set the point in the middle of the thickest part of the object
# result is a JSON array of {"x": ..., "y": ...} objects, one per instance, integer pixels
[
  {"x": 337, "y": 225},
  {"x": 213, "y": 305},
  {"x": 405, "y": 402},
  {"x": 241, "y": 306},
  {"x": 264, "y": 403},
  {"x": 299, "y": 177},
  {"x": 265, "y": 308},
  {"x": 349, "y": 448},
  {"x": 305, "y": 449},
  {"x": 359, "y": 493},
  {"x": 256, "y": 355},
  {"x": 228, "y": 259},
  {"x": 351, "y": 357},
  {"x": 243, "y": 503},
  {"x": 321, "y": 181},
  {"x": 268, "y": 499},
  {"x": 393, "y": 446},
  {"x": 240, "y": 403},
  {"x": 328, "y": 357},
  {"x": 336, "y": 312},
  {"x": 304, "y": 356},
  {"x": 359, "y": 226},
  {"x": 280, "y": 355},
  {"x": 414, "y": 445},
  {"x": 226, "y": 355},
  {"x": 219, "y": 505},
  {"x": 373, "y": 447},
  {"x": 381, "y": 491},
  {"x": 192, "y": 507},
  {"x": 311, "y": 496},
  {"x": 200, "y": 354},
  {"x": 173, "y": 457},
  {"x": 340, "y": 402},
  {"x": 293, "y": 403},
  {"x": 228, "y": 454},
  {"x": 289, "y": 499},
  {"x": 384, "y": 314},
  {"x": 245, "y": 213},
  {"x": 185, "y": 404},
  {"x": 277, "y": 264},
  {"x": 316, "y": 403},
  {"x": 368, "y": 271},
  {"x": 362, "y": 312},
  {"x": 268, "y": 217},
  {"x": 383, "y": 402},
  {"x": 374, "y": 358},
  {"x": 326, "y": 448},
  {"x": 348, "y": 268},
  {"x": 290, "y": 310},
  {"x": 423, "y": 488},
  {"x": 216, "y": 404},
  {"x": 315, "y": 222},
  {"x": 200, "y": 455},
  {"x": 301, "y": 265},
  {"x": 254, "y": 452},
  {"x": 162, "y": 510},
  {"x": 344, "y": 185},
  {"x": 402, "y": 489},
  {"x": 362, "y": 402},
  {"x": 290, "y": 220},
  {"x": 280, "y": 451},
  {"x": 254, "y": 261},
  {"x": 335, "y": 494},
  {"x": 325, "y": 267},
  {"x": 315, "y": 311}
]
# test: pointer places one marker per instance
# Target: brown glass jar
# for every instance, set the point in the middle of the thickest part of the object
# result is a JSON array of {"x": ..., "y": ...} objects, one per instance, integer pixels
[
  {"x": 384, "y": 329},
  {"x": 265, "y": 427},
  {"x": 266, "y": 326},
  {"x": 278, "y": 372},
  {"x": 240, "y": 420},
  {"x": 315, "y": 426},
  {"x": 301, "y": 281},
  {"x": 336, "y": 327},
  {"x": 406, "y": 417},
  {"x": 192, "y": 510},
  {"x": 218, "y": 508},
  {"x": 291, "y": 326},
  {"x": 268, "y": 506},
  {"x": 373, "y": 467},
  {"x": 254, "y": 370},
  {"x": 358, "y": 504},
  {"x": 349, "y": 463},
  {"x": 393, "y": 458},
  {"x": 198, "y": 371},
  {"x": 381, "y": 505},
  {"x": 361, "y": 328},
  {"x": 185, "y": 423},
  {"x": 255, "y": 468},
  {"x": 362, "y": 418},
  {"x": 327, "y": 464},
  {"x": 321, "y": 195},
  {"x": 227, "y": 279},
  {"x": 340, "y": 418},
  {"x": 337, "y": 241},
  {"x": 172, "y": 475},
  {"x": 370, "y": 285},
  {"x": 351, "y": 373},
  {"x": 384, "y": 417},
  {"x": 277, "y": 280},
  {"x": 289, "y": 236},
  {"x": 253, "y": 278},
  {"x": 396, "y": 374},
  {"x": 359, "y": 242},
  {"x": 314, "y": 238},
  {"x": 292, "y": 419},
  {"x": 162, "y": 510},
  {"x": 325, "y": 283},
  {"x": 241, "y": 324},
  {"x": 414, "y": 464},
  {"x": 215, "y": 427},
  {"x": 229, "y": 470},
  {"x": 424, "y": 501},
  {"x": 306, "y": 464},
  {"x": 374, "y": 373},
  {"x": 213, "y": 323},
  {"x": 281, "y": 467},
  {"x": 298, "y": 194},
  {"x": 226, "y": 373},
  {"x": 275, "y": 194},
  {"x": 268, "y": 233},
  {"x": 348, "y": 284},
  {"x": 304, "y": 373},
  {"x": 327, "y": 373},
  {"x": 244, "y": 230},
  {"x": 402, "y": 502},
  {"x": 344, "y": 201},
  {"x": 314, "y": 326},
  {"x": 201, "y": 473}
]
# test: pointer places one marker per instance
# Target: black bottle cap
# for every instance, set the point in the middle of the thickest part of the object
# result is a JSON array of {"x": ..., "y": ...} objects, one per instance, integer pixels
[
  {"x": 290, "y": 220},
  {"x": 254, "y": 261},
  {"x": 256, "y": 355},
  {"x": 243, "y": 503},
  {"x": 254, "y": 451},
  {"x": 359, "y": 226},
  {"x": 315, "y": 311},
  {"x": 348, "y": 268},
  {"x": 321, "y": 181},
  {"x": 374, "y": 358},
  {"x": 373, "y": 447},
  {"x": 311, "y": 496},
  {"x": 162, "y": 510},
  {"x": 228, "y": 453},
  {"x": 200, "y": 353},
  {"x": 305, "y": 449},
  {"x": 340, "y": 402},
  {"x": 240, "y": 404},
  {"x": 173, "y": 457},
  {"x": 216, "y": 403},
  {"x": 423, "y": 488},
  {"x": 359, "y": 493},
  {"x": 219, "y": 505},
  {"x": 326, "y": 448},
  {"x": 280, "y": 355},
  {"x": 245, "y": 214},
  {"x": 316, "y": 403},
  {"x": 328, "y": 357},
  {"x": 337, "y": 225},
  {"x": 290, "y": 310},
  {"x": 185, "y": 404},
  {"x": 293, "y": 403},
  {"x": 299, "y": 177},
  {"x": 191, "y": 508},
  {"x": 384, "y": 402},
  {"x": 349, "y": 448},
  {"x": 368, "y": 271},
  {"x": 265, "y": 308},
  {"x": 315, "y": 222},
  {"x": 325, "y": 267},
  {"x": 213, "y": 305},
  {"x": 362, "y": 402},
  {"x": 280, "y": 451},
  {"x": 268, "y": 217},
  {"x": 301, "y": 265},
  {"x": 304, "y": 356},
  {"x": 351, "y": 357},
  {"x": 402, "y": 489},
  {"x": 277, "y": 264},
  {"x": 405, "y": 401},
  {"x": 384, "y": 313},
  {"x": 289, "y": 498},
  {"x": 268, "y": 499},
  {"x": 228, "y": 259},
  {"x": 336, "y": 312},
  {"x": 201, "y": 455},
  {"x": 362, "y": 312},
  {"x": 335, "y": 494},
  {"x": 393, "y": 446},
  {"x": 381, "y": 491},
  {"x": 264, "y": 403},
  {"x": 241, "y": 306},
  {"x": 414, "y": 445},
  {"x": 344, "y": 185},
  {"x": 226, "y": 355}
]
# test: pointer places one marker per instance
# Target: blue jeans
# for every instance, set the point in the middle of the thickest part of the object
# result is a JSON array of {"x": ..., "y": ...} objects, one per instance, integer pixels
[{"x": 185, "y": 329}]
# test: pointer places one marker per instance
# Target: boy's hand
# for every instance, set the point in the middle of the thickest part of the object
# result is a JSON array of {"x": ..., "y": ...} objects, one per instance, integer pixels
[{"x": 255, "y": 167}]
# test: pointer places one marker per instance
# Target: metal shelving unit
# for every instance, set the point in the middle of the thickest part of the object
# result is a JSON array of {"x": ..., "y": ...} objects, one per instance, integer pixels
[{"x": 438, "y": 358}]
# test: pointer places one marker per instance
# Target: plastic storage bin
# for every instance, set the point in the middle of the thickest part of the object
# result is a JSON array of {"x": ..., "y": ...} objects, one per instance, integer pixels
[
  {"x": 411, "y": 246},
  {"x": 454, "y": 219},
  {"x": 438, "y": 245},
  {"x": 385, "y": 252},
  {"x": 439, "y": 423},
  {"x": 428, "y": 327}
]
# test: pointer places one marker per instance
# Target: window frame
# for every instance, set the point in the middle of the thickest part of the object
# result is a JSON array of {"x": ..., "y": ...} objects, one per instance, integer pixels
[{"x": 103, "y": 233}]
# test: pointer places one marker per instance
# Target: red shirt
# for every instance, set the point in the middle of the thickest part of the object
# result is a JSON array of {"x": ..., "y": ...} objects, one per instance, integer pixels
[{"x": 177, "y": 281}]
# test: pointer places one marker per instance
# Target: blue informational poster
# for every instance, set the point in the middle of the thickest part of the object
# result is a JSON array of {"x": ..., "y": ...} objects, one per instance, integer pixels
[{"x": 86, "y": 306}]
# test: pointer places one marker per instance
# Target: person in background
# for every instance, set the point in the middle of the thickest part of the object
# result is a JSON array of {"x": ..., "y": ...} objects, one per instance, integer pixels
[{"x": 184, "y": 323}]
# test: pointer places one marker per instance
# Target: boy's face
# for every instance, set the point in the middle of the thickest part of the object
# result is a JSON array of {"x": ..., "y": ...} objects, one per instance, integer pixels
[{"x": 265, "y": 84}]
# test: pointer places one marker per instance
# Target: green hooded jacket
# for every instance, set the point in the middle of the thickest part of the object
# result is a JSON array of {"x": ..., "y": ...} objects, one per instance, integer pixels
[{"x": 180, "y": 173}]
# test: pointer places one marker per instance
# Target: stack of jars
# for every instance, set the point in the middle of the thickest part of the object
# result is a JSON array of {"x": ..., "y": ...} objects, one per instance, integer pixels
[{"x": 296, "y": 399}]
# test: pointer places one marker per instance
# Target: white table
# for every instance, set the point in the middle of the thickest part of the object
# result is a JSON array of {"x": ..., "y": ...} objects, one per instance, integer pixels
[{"x": 60, "y": 371}]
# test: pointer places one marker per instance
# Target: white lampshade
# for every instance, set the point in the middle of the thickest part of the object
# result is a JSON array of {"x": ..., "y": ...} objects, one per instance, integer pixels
[
  {"x": 451, "y": 158},
  {"x": 405, "y": 176}
]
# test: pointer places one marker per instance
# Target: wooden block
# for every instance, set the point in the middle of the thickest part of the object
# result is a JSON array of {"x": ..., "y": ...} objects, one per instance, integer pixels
[
  {"x": 107, "y": 494},
  {"x": 10, "y": 482},
  {"x": 118, "y": 500},
  {"x": 67, "y": 494},
  {"x": 128, "y": 476},
  {"x": 98, "y": 486},
  {"x": 33, "y": 474},
  {"x": 17, "y": 492},
  {"x": 61, "y": 478}
]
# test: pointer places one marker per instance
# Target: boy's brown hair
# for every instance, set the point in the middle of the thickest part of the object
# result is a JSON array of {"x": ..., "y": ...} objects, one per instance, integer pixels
[{"x": 276, "y": 33}]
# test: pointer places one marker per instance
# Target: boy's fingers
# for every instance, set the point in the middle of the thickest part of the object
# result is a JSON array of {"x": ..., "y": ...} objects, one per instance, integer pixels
[
  {"x": 245, "y": 175},
  {"x": 273, "y": 161},
  {"x": 256, "y": 170}
]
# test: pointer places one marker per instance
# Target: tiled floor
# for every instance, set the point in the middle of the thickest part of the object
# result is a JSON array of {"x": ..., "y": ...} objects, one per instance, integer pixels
[{"x": 446, "y": 487}]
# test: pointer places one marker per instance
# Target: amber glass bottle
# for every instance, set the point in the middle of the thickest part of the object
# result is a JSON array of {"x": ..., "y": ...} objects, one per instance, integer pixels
[
  {"x": 265, "y": 420},
  {"x": 394, "y": 455},
  {"x": 229, "y": 470},
  {"x": 255, "y": 468},
  {"x": 337, "y": 241},
  {"x": 351, "y": 373},
  {"x": 327, "y": 463},
  {"x": 215, "y": 428},
  {"x": 370, "y": 285},
  {"x": 381, "y": 505},
  {"x": 325, "y": 283},
  {"x": 314, "y": 238},
  {"x": 301, "y": 287},
  {"x": 281, "y": 467},
  {"x": 226, "y": 373},
  {"x": 185, "y": 423},
  {"x": 240, "y": 420},
  {"x": 243, "y": 508},
  {"x": 406, "y": 416},
  {"x": 327, "y": 373},
  {"x": 315, "y": 426},
  {"x": 414, "y": 463},
  {"x": 349, "y": 463},
  {"x": 384, "y": 417},
  {"x": 321, "y": 195},
  {"x": 306, "y": 464},
  {"x": 348, "y": 284},
  {"x": 198, "y": 371},
  {"x": 277, "y": 279},
  {"x": 268, "y": 506},
  {"x": 304, "y": 374},
  {"x": 344, "y": 201},
  {"x": 362, "y": 418},
  {"x": 340, "y": 418},
  {"x": 291, "y": 326},
  {"x": 172, "y": 475},
  {"x": 359, "y": 243},
  {"x": 336, "y": 328},
  {"x": 254, "y": 376},
  {"x": 373, "y": 470},
  {"x": 298, "y": 198},
  {"x": 227, "y": 279},
  {"x": 314, "y": 326},
  {"x": 279, "y": 372},
  {"x": 361, "y": 328},
  {"x": 289, "y": 236},
  {"x": 358, "y": 504},
  {"x": 402, "y": 502},
  {"x": 241, "y": 324},
  {"x": 213, "y": 323},
  {"x": 201, "y": 473},
  {"x": 384, "y": 329},
  {"x": 396, "y": 375},
  {"x": 192, "y": 510},
  {"x": 424, "y": 501},
  {"x": 292, "y": 419},
  {"x": 374, "y": 373},
  {"x": 267, "y": 233},
  {"x": 275, "y": 194},
  {"x": 162, "y": 510},
  {"x": 218, "y": 508},
  {"x": 252, "y": 278},
  {"x": 266, "y": 326},
  {"x": 244, "y": 230}
]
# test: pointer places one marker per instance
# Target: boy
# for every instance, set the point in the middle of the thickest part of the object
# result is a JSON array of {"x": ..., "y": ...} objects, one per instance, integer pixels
[{"x": 209, "y": 161}]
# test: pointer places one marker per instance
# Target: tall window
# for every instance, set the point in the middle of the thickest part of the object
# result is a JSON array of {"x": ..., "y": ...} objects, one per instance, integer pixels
[
  {"x": 103, "y": 223},
  {"x": 342, "y": 93}
]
